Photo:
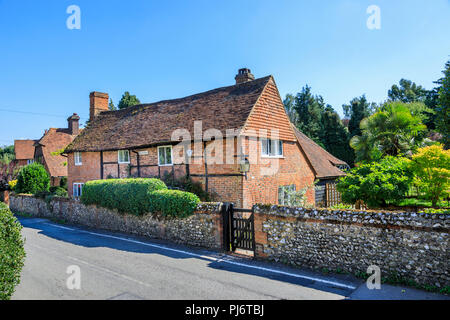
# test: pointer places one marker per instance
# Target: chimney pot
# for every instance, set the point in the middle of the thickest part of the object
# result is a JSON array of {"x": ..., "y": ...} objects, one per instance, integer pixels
[
  {"x": 244, "y": 75},
  {"x": 73, "y": 124},
  {"x": 98, "y": 102}
]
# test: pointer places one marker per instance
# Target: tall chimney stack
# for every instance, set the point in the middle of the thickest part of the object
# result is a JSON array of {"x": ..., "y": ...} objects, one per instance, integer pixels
[
  {"x": 73, "y": 124},
  {"x": 98, "y": 103},
  {"x": 244, "y": 75}
]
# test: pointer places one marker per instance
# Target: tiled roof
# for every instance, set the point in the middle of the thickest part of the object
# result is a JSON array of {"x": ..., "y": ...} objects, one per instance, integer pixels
[
  {"x": 24, "y": 149},
  {"x": 151, "y": 124},
  {"x": 52, "y": 141},
  {"x": 323, "y": 163}
]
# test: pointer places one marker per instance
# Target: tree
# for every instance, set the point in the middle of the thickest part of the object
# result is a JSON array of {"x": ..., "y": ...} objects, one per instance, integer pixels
[
  {"x": 393, "y": 130},
  {"x": 32, "y": 179},
  {"x": 431, "y": 167},
  {"x": 289, "y": 106},
  {"x": 335, "y": 136},
  {"x": 309, "y": 109},
  {"x": 443, "y": 108},
  {"x": 7, "y": 154},
  {"x": 377, "y": 183},
  {"x": 128, "y": 100},
  {"x": 111, "y": 105},
  {"x": 358, "y": 109},
  {"x": 407, "y": 91}
]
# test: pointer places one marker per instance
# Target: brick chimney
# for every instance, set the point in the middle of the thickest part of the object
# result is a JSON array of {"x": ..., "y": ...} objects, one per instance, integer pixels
[
  {"x": 98, "y": 103},
  {"x": 73, "y": 124},
  {"x": 244, "y": 75}
]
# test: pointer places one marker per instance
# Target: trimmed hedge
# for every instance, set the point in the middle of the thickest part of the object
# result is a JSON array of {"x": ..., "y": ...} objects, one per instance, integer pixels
[
  {"x": 173, "y": 203},
  {"x": 32, "y": 179},
  {"x": 12, "y": 252},
  {"x": 125, "y": 195}
]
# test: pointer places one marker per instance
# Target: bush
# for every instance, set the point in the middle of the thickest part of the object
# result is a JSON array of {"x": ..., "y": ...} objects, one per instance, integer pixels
[
  {"x": 32, "y": 179},
  {"x": 174, "y": 203},
  {"x": 12, "y": 252},
  {"x": 185, "y": 183},
  {"x": 431, "y": 167},
  {"x": 12, "y": 184},
  {"x": 59, "y": 192},
  {"x": 377, "y": 183},
  {"x": 125, "y": 195}
]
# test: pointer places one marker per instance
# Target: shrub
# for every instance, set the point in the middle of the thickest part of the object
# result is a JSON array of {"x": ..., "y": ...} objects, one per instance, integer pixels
[
  {"x": 32, "y": 179},
  {"x": 12, "y": 184},
  {"x": 376, "y": 183},
  {"x": 58, "y": 192},
  {"x": 12, "y": 252},
  {"x": 174, "y": 203},
  {"x": 431, "y": 167},
  {"x": 63, "y": 183},
  {"x": 185, "y": 183},
  {"x": 125, "y": 195}
]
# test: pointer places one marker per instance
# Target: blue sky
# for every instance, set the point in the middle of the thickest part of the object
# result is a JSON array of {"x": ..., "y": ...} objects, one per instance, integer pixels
[{"x": 169, "y": 49}]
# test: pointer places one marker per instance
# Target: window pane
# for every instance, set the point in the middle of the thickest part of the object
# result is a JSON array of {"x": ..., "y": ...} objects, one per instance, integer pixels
[
  {"x": 168, "y": 155},
  {"x": 280, "y": 147},
  {"x": 264, "y": 147}
]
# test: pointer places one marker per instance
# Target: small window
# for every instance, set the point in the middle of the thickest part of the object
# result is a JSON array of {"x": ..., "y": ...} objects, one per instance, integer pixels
[
  {"x": 284, "y": 194},
  {"x": 77, "y": 189},
  {"x": 30, "y": 161},
  {"x": 271, "y": 148},
  {"x": 165, "y": 156},
  {"x": 78, "y": 161},
  {"x": 124, "y": 156}
]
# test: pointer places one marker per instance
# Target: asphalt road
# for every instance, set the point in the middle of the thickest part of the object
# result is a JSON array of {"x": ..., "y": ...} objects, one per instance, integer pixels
[{"x": 117, "y": 266}]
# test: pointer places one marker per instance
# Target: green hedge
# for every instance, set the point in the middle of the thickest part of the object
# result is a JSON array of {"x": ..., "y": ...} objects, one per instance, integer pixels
[
  {"x": 125, "y": 195},
  {"x": 12, "y": 252},
  {"x": 173, "y": 202}
]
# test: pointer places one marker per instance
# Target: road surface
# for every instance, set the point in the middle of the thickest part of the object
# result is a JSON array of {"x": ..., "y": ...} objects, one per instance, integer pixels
[{"x": 118, "y": 266}]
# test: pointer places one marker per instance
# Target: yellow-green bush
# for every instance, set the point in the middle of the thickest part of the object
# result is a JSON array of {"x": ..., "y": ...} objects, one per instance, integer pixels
[{"x": 173, "y": 203}]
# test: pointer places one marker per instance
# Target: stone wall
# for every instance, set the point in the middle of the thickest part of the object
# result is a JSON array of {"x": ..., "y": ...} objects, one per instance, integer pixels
[
  {"x": 202, "y": 229},
  {"x": 411, "y": 245}
]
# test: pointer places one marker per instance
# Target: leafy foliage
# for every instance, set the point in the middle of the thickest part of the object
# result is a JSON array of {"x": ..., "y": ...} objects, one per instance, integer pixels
[
  {"x": 185, "y": 183},
  {"x": 128, "y": 100},
  {"x": 173, "y": 203},
  {"x": 393, "y": 130},
  {"x": 358, "y": 109},
  {"x": 443, "y": 108},
  {"x": 12, "y": 252},
  {"x": 294, "y": 198},
  {"x": 125, "y": 195},
  {"x": 7, "y": 154},
  {"x": 407, "y": 91},
  {"x": 431, "y": 167},
  {"x": 111, "y": 105},
  {"x": 32, "y": 179},
  {"x": 12, "y": 184},
  {"x": 377, "y": 183}
]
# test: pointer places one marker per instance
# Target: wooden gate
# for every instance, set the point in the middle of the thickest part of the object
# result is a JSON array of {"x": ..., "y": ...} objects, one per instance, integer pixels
[{"x": 239, "y": 228}]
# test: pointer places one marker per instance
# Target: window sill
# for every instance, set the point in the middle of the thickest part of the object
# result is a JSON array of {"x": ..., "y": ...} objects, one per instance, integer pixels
[
  {"x": 123, "y": 162},
  {"x": 272, "y": 157},
  {"x": 165, "y": 165}
]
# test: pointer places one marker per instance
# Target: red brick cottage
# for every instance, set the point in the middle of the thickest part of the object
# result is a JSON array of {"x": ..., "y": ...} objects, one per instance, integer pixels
[
  {"x": 24, "y": 151},
  {"x": 47, "y": 147},
  {"x": 236, "y": 140}
]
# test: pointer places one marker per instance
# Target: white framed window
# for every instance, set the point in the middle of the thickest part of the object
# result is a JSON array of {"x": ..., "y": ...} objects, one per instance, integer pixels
[
  {"x": 77, "y": 189},
  {"x": 165, "y": 156},
  {"x": 78, "y": 160},
  {"x": 271, "y": 148},
  {"x": 284, "y": 194},
  {"x": 124, "y": 156},
  {"x": 30, "y": 161}
]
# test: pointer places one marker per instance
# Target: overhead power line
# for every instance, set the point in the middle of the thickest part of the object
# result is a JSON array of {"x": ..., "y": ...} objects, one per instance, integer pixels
[{"x": 37, "y": 113}]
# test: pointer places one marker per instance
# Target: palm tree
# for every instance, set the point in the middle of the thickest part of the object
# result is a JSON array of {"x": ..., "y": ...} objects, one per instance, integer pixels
[{"x": 393, "y": 130}]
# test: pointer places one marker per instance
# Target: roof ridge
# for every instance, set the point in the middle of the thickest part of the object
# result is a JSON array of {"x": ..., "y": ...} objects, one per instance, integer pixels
[{"x": 143, "y": 105}]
